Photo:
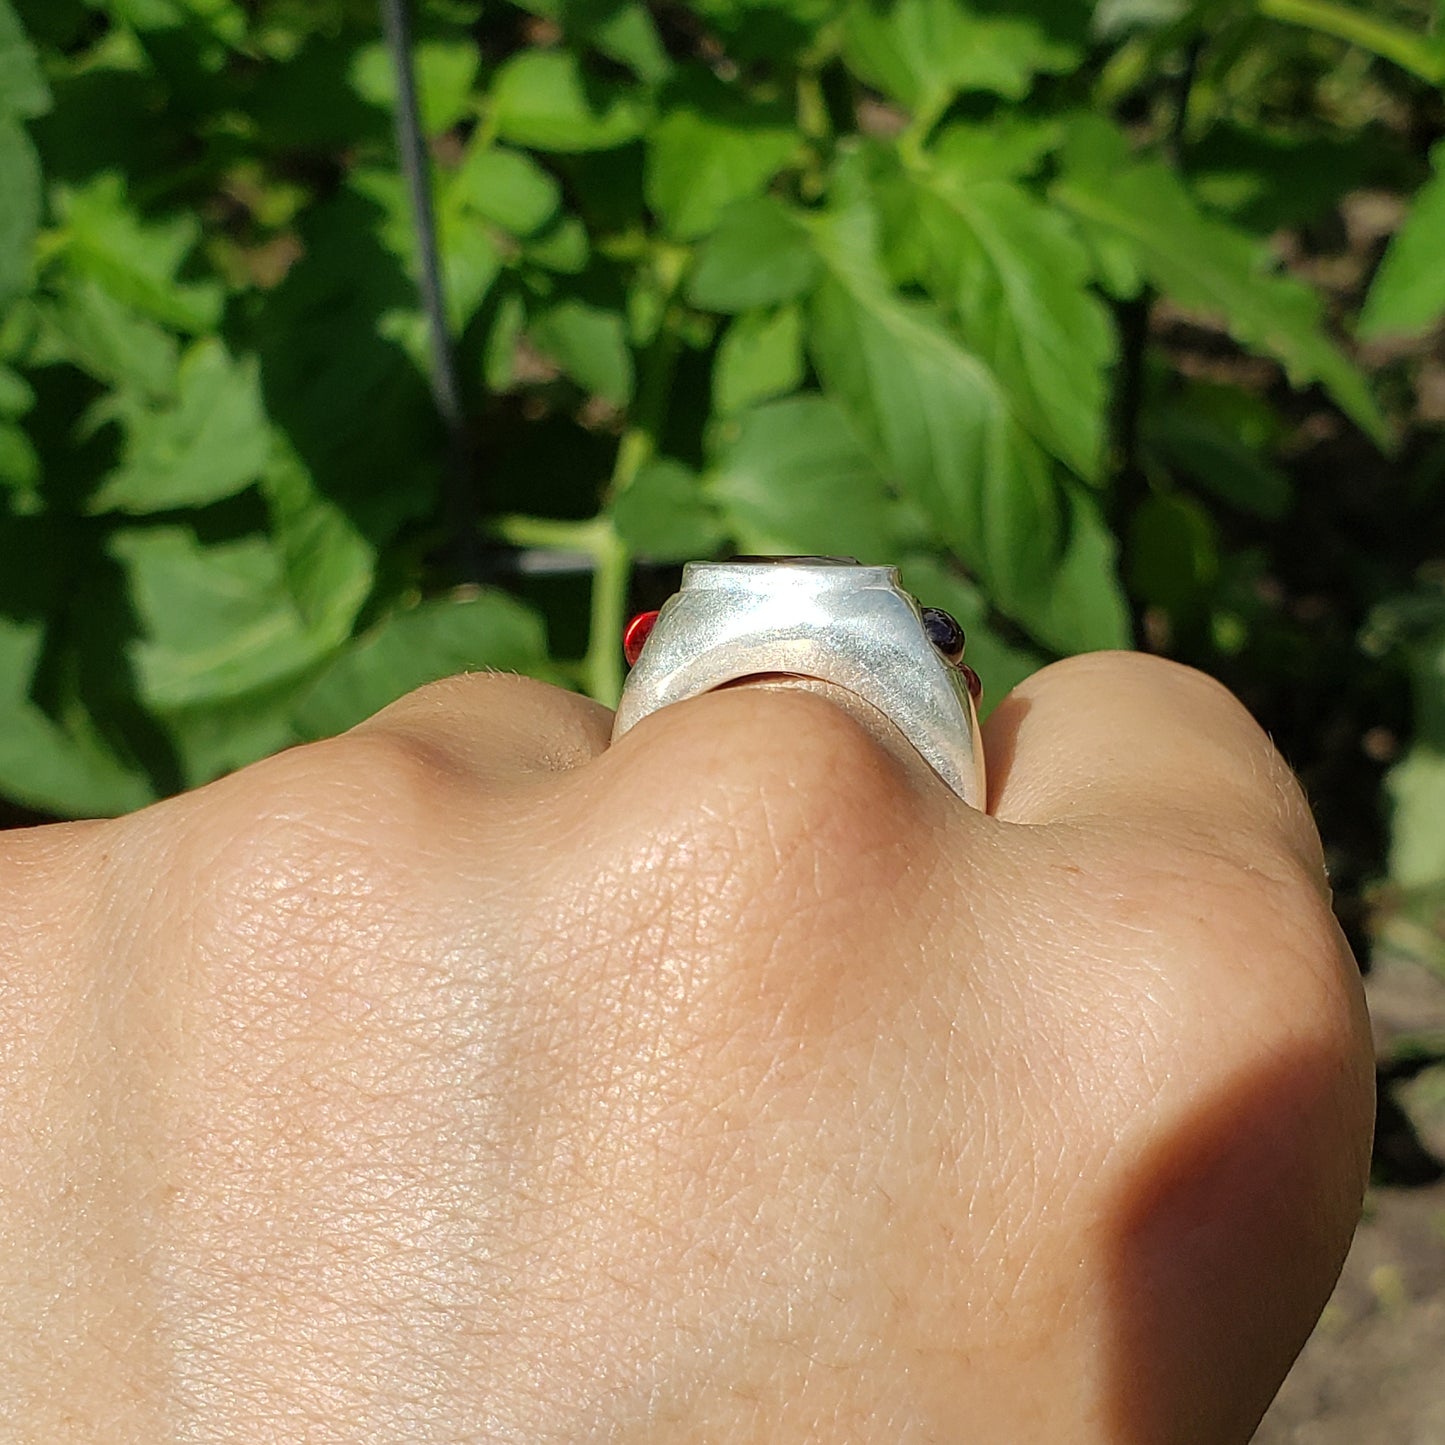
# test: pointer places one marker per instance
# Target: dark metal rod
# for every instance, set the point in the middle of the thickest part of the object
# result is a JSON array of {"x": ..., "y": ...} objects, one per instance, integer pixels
[{"x": 416, "y": 167}]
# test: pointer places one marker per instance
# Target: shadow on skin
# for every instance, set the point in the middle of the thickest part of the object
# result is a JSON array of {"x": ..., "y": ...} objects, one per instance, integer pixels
[{"x": 1230, "y": 1235}]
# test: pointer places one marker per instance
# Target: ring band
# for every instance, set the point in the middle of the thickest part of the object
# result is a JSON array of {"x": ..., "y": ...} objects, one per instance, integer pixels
[{"x": 829, "y": 618}]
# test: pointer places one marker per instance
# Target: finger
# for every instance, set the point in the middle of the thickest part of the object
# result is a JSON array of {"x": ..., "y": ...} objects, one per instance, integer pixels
[
  {"x": 495, "y": 725},
  {"x": 1129, "y": 737}
]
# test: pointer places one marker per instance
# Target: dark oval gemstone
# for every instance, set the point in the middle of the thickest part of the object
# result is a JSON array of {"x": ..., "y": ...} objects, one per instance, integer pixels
[{"x": 943, "y": 632}]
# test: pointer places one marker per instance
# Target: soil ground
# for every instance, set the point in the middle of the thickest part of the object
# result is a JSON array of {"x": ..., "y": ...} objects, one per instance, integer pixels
[{"x": 1374, "y": 1371}]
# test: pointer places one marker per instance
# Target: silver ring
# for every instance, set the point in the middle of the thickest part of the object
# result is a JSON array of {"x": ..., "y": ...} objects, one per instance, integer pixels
[{"x": 829, "y": 618}]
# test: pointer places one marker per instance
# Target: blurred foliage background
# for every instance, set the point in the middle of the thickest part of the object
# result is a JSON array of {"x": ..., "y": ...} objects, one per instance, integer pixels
[{"x": 1113, "y": 324}]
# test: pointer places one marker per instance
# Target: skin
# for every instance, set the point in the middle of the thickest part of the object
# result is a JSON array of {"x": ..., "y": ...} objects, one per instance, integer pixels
[{"x": 464, "y": 1078}]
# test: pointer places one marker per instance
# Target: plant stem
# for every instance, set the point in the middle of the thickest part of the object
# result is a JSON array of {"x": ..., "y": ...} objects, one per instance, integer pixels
[
  {"x": 601, "y": 668},
  {"x": 1415, "y": 53}
]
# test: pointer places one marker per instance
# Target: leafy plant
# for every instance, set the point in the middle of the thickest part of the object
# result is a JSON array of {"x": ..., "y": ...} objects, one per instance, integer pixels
[{"x": 1025, "y": 298}]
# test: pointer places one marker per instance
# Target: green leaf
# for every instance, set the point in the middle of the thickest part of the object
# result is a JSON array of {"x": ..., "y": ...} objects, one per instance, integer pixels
[
  {"x": 1408, "y": 293},
  {"x": 663, "y": 514},
  {"x": 134, "y": 260},
  {"x": 23, "y": 91},
  {"x": 793, "y": 477},
  {"x": 563, "y": 247},
  {"x": 709, "y": 149},
  {"x": 1084, "y": 608},
  {"x": 1218, "y": 439},
  {"x": 922, "y": 53},
  {"x": 217, "y": 619},
  {"x": 761, "y": 356},
  {"x": 446, "y": 70},
  {"x": 1010, "y": 145},
  {"x": 212, "y": 443},
  {"x": 222, "y": 20},
  {"x": 16, "y": 394},
  {"x": 939, "y": 421},
  {"x": 20, "y": 198},
  {"x": 761, "y": 254},
  {"x": 327, "y": 564},
  {"x": 86, "y": 326},
  {"x": 491, "y": 632},
  {"x": 1174, "y": 554},
  {"x": 621, "y": 29},
  {"x": 627, "y": 33},
  {"x": 19, "y": 462},
  {"x": 1206, "y": 264},
  {"x": 542, "y": 98},
  {"x": 505, "y": 187},
  {"x": 1017, "y": 280},
  {"x": 589, "y": 343},
  {"x": 41, "y": 765}
]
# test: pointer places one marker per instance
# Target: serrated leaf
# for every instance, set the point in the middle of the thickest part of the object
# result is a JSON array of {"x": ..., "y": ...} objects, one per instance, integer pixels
[
  {"x": 1017, "y": 281},
  {"x": 217, "y": 619},
  {"x": 1009, "y": 146},
  {"x": 924, "y": 52},
  {"x": 1408, "y": 292},
  {"x": 41, "y": 766},
  {"x": 23, "y": 91},
  {"x": 136, "y": 261},
  {"x": 589, "y": 343},
  {"x": 760, "y": 356},
  {"x": 1208, "y": 265},
  {"x": 211, "y": 443},
  {"x": 543, "y": 98},
  {"x": 491, "y": 632},
  {"x": 505, "y": 187},
  {"x": 86, "y": 326},
  {"x": 938, "y": 420},
  {"x": 793, "y": 477},
  {"x": 664, "y": 515},
  {"x": 709, "y": 149},
  {"x": 327, "y": 564},
  {"x": 20, "y": 198},
  {"x": 761, "y": 254}
]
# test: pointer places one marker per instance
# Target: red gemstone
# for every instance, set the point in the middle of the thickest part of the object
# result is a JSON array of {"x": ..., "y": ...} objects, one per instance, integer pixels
[
  {"x": 975, "y": 685},
  {"x": 635, "y": 635}
]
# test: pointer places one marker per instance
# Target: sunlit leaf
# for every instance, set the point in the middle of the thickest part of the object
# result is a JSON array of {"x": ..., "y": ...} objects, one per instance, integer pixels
[
  {"x": 761, "y": 356},
  {"x": 543, "y": 98},
  {"x": 760, "y": 255},
  {"x": 924, "y": 52},
  {"x": 793, "y": 477},
  {"x": 134, "y": 260},
  {"x": 709, "y": 149},
  {"x": 1408, "y": 292},
  {"x": 665, "y": 516},
  {"x": 487, "y": 632},
  {"x": 213, "y": 441},
  {"x": 1204, "y": 263}
]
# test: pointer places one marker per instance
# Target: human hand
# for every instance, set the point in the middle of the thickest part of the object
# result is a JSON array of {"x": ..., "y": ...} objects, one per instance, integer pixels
[{"x": 464, "y": 1078}]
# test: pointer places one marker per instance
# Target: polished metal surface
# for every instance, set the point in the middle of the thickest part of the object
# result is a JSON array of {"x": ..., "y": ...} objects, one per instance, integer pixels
[{"x": 827, "y": 618}]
